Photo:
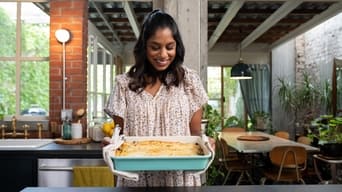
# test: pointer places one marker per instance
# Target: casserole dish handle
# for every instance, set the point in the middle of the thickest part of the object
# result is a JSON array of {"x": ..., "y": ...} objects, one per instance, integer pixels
[
  {"x": 212, "y": 152},
  {"x": 106, "y": 152}
]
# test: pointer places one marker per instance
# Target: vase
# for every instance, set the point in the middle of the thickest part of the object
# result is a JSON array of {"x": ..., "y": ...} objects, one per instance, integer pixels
[{"x": 331, "y": 149}]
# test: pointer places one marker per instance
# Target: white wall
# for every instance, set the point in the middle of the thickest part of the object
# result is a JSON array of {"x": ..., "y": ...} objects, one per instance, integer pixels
[
  {"x": 321, "y": 44},
  {"x": 283, "y": 66}
]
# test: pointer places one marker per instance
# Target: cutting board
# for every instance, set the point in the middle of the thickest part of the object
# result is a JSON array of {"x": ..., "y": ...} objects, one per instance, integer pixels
[
  {"x": 72, "y": 141},
  {"x": 252, "y": 138}
]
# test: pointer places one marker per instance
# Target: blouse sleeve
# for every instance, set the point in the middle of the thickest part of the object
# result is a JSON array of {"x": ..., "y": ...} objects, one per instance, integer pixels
[
  {"x": 116, "y": 103},
  {"x": 194, "y": 88}
]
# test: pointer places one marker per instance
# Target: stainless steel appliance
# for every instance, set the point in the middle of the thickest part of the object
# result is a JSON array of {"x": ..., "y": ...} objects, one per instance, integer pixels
[{"x": 58, "y": 172}]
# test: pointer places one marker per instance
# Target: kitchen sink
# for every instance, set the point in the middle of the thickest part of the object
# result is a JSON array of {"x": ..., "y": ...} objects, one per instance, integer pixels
[{"x": 22, "y": 144}]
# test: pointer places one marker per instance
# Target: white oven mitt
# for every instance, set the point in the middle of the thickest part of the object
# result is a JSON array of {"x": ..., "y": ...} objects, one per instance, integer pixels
[
  {"x": 108, "y": 152},
  {"x": 212, "y": 152}
]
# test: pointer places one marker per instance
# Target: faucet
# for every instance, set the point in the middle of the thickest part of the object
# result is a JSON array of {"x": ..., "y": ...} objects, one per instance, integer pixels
[
  {"x": 14, "y": 132},
  {"x": 3, "y": 128},
  {"x": 40, "y": 127},
  {"x": 14, "y": 125}
]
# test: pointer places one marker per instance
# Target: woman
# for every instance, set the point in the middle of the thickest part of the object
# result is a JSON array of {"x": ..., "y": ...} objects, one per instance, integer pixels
[{"x": 158, "y": 96}]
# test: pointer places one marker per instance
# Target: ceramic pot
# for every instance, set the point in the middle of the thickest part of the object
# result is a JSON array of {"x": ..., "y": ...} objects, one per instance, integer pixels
[{"x": 331, "y": 149}]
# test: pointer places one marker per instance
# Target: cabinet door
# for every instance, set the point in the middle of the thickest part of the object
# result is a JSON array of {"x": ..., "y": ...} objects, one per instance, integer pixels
[{"x": 17, "y": 173}]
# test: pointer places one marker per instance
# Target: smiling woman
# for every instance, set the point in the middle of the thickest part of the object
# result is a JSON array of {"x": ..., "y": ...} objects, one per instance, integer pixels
[{"x": 158, "y": 96}]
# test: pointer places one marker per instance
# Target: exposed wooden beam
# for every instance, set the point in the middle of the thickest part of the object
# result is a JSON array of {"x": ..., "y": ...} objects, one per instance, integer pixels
[
  {"x": 121, "y": 0},
  {"x": 131, "y": 17},
  {"x": 209, "y": 0},
  {"x": 226, "y": 19},
  {"x": 288, "y": 0},
  {"x": 106, "y": 22},
  {"x": 284, "y": 10},
  {"x": 318, "y": 19}
]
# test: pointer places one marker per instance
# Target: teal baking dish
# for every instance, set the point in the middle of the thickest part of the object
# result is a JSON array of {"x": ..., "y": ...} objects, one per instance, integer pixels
[{"x": 161, "y": 163}]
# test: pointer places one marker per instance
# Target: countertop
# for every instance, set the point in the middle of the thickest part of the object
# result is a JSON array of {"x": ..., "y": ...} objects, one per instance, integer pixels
[
  {"x": 229, "y": 188},
  {"x": 53, "y": 150},
  {"x": 91, "y": 150}
]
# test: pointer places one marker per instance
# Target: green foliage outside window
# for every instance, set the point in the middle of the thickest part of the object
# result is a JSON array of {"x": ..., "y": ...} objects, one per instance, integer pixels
[
  {"x": 34, "y": 76},
  {"x": 7, "y": 35}
]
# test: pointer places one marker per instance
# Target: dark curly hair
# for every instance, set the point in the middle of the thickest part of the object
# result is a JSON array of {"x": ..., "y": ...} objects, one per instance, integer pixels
[{"x": 143, "y": 68}]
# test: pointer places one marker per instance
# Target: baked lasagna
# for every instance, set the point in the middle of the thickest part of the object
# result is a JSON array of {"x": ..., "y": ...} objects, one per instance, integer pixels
[{"x": 158, "y": 148}]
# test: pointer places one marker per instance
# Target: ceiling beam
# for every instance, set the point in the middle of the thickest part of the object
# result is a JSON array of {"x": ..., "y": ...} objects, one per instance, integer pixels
[
  {"x": 132, "y": 18},
  {"x": 99, "y": 11},
  {"x": 283, "y": 0},
  {"x": 121, "y": 0},
  {"x": 284, "y": 10},
  {"x": 318, "y": 19},
  {"x": 226, "y": 19},
  {"x": 209, "y": 0}
]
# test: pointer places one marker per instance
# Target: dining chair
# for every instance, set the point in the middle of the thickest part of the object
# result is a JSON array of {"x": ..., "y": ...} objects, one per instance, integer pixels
[
  {"x": 231, "y": 165},
  {"x": 282, "y": 134},
  {"x": 288, "y": 163},
  {"x": 304, "y": 140},
  {"x": 232, "y": 152}
]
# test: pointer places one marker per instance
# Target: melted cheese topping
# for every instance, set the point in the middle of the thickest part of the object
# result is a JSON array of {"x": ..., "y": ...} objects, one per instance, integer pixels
[{"x": 158, "y": 148}]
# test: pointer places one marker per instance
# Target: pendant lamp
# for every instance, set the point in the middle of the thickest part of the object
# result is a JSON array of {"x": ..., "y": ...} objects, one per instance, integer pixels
[{"x": 240, "y": 70}]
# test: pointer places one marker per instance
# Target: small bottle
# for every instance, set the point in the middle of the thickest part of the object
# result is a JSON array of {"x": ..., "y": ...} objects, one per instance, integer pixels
[{"x": 66, "y": 130}]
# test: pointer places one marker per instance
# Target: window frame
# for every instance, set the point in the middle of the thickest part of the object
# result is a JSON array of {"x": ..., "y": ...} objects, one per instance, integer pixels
[
  {"x": 97, "y": 98},
  {"x": 19, "y": 59}
]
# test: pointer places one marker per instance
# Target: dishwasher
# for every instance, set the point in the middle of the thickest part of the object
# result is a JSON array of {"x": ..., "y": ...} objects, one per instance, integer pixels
[{"x": 59, "y": 172}]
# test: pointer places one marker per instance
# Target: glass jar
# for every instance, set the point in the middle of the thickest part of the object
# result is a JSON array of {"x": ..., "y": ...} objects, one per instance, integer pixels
[{"x": 66, "y": 130}]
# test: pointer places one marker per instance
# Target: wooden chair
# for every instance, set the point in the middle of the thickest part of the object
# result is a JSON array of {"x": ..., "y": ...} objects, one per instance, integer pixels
[
  {"x": 233, "y": 129},
  {"x": 304, "y": 140},
  {"x": 233, "y": 165},
  {"x": 288, "y": 164},
  {"x": 282, "y": 134},
  {"x": 232, "y": 152},
  {"x": 310, "y": 169}
]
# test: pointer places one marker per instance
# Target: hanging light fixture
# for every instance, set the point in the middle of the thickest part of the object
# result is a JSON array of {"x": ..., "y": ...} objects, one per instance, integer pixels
[{"x": 240, "y": 70}]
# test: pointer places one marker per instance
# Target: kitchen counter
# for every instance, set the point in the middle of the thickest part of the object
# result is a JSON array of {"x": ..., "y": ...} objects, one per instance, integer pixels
[
  {"x": 53, "y": 150},
  {"x": 89, "y": 150},
  {"x": 19, "y": 168},
  {"x": 230, "y": 188}
]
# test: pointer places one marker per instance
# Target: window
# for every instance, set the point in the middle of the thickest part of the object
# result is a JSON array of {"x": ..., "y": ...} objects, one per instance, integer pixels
[
  {"x": 101, "y": 73},
  {"x": 223, "y": 91},
  {"x": 233, "y": 105},
  {"x": 24, "y": 59}
]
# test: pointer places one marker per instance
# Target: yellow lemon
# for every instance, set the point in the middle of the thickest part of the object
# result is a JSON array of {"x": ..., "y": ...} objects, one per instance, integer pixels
[
  {"x": 108, "y": 128},
  {"x": 110, "y": 133}
]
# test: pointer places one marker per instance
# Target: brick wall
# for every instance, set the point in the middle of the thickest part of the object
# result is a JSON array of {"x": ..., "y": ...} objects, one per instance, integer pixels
[
  {"x": 71, "y": 15},
  {"x": 320, "y": 45}
]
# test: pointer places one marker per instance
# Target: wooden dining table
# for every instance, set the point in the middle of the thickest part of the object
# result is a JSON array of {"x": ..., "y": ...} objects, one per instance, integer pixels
[{"x": 258, "y": 142}]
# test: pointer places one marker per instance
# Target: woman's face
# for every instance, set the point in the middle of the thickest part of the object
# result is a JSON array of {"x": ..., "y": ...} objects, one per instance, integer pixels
[{"x": 161, "y": 49}]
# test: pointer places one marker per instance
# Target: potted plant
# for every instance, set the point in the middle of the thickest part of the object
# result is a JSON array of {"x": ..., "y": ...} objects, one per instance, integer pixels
[
  {"x": 212, "y": 118},
  {"x": 302, "y": 100},
  {"x": 261, "y": 121},
  {"x": 233, "y": 121},
  {"x": 328, "y": 131}
]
